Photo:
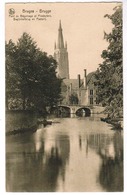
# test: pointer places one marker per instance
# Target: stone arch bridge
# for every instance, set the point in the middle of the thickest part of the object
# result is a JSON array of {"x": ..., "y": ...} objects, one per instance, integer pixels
[{"x": 74, "y": 109}]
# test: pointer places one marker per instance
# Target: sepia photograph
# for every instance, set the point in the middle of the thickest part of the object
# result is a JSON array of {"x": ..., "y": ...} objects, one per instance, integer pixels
[{"x": 64, "y": 97}]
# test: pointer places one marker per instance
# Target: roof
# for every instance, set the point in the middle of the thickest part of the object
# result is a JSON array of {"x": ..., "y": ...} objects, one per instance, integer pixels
[
  {"x": 89, "y": 76},
  {"x": 74, "y": 82}
]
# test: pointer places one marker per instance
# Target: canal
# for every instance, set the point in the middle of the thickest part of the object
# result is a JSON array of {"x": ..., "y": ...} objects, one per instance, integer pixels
[{"x": 77, "y": 154}]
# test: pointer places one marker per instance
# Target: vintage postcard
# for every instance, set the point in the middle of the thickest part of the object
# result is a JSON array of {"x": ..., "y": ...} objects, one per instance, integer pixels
[{"x": 64, "y": 97}]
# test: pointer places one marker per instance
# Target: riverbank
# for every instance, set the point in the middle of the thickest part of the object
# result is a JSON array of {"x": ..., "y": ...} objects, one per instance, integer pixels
[
  {"x": 19, "y": 121},
  {"x": 116, "y": 122},
  {"x": 31, "y": 129}
]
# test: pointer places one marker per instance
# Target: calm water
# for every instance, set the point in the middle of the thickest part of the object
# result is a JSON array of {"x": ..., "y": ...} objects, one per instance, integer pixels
[{"x": 74, "y": 155}]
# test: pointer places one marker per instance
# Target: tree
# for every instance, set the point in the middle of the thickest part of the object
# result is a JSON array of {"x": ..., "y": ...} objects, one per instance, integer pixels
[
  {"x": 25, "y": 65},
  {"x": 34, "y": 72},
  {"x": 47, "y": 87},
  {"x": 11, "y": 76},
  {"x": 73, "y": 99},
  {"x": 109, "y": 79}
]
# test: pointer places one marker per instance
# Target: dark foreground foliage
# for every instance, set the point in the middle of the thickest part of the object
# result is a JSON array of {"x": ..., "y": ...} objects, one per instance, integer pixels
[
  {"x": 109, "y": 81},
  {"x": 31, "y": 81}
]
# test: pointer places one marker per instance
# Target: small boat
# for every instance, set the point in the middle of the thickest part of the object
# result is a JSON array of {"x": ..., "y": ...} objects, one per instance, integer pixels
[
  {"x": 107, "y": 120},
  {"x": 103, "y": 119}
]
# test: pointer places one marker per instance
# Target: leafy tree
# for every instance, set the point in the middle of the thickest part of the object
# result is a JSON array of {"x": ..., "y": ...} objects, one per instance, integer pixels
[
  {"x": 47, "y": 87},
  {"x": 11, "y": 76},
  {"x": 73, "y": 99},
  {"x": 34, "y": 72},
  {"x": 109, "y": 75},
  {"x": 24, "y": 65}
]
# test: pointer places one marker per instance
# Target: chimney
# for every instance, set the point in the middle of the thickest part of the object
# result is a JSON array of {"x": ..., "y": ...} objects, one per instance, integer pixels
[
  {"x": 84, "y": 72},
  {"x": 70, "y": 88},
  {"x": 85, "y": 79},
  {"x": 79, "y": 81}
]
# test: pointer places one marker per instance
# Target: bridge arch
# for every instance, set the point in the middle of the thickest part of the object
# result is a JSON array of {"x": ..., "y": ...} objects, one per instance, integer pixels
[
  {"x": 63, "y": 106},
  {"x": 64, "y": 109},
  {"x": 84, "y": 111}
]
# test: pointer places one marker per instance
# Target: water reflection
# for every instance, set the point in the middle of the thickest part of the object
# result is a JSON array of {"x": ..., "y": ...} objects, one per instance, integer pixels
[
  {"x": 111, "y": 171},
  {"x": 37, "y": 167},
  {"x": 76, "y": 154},
  {"x": 110, "y": 150}
]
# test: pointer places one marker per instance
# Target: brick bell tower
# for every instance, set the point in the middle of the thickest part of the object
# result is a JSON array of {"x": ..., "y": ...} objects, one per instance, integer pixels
[{"x": 61, "y": 55}]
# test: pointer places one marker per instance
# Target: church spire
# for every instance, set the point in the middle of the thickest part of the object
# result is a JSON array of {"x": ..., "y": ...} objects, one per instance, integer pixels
[
  {"x": 60, "y": 43},
  {"x": 61, "y": 55},
  {"x": 60, "y": 27}
]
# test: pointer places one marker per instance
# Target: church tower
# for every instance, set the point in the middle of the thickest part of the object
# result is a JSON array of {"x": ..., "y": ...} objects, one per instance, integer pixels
[{"x": 61, "y": 55}]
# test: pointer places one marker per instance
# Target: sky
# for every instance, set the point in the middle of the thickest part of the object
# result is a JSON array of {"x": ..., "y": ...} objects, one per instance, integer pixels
[{"x": 83, "y": 27}]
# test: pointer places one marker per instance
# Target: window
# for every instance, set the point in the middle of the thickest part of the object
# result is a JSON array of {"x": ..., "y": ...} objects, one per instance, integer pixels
[
  {"x": 91, "y": 101},
  {"x": 91, "y": 91}
]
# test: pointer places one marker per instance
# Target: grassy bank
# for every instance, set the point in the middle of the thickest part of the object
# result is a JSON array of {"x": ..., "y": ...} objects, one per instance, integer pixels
[{"x": 21, "y": 121}]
